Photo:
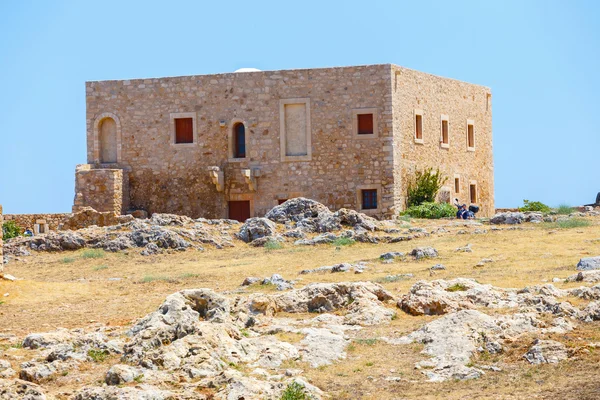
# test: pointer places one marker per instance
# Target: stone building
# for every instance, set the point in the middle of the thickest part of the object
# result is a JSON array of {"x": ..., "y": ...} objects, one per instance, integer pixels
[{"x": 237, "y": 144}]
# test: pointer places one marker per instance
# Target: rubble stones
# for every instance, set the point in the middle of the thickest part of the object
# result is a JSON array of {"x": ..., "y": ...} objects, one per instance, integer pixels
[
  {"x": 546, "y": 351},
  {"x": 19, "y": 389}
]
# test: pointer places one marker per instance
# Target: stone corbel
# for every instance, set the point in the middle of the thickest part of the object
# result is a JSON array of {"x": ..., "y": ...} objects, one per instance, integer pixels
[
  {"x": 217, "y": 177},
  {"x": 250, "y": 176}
]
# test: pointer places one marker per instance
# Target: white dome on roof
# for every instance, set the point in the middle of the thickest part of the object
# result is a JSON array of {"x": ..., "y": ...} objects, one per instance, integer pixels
[{"x": 247, "y": 70}]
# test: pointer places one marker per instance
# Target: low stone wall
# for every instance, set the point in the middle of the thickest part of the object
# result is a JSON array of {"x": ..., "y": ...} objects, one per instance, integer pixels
[
  {"x": 53, "y": 222},
  {"x": 1, "y": 242}
]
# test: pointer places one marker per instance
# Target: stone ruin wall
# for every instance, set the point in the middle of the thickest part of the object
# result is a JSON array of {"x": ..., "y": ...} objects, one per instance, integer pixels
[
  {"x": 101, "y": 189},
  {"x": 1, "y": 242},
  {"x": 339, "y": 164},
  {"x": 459, "y": 101},
  {"x": 24, "y": 221}
]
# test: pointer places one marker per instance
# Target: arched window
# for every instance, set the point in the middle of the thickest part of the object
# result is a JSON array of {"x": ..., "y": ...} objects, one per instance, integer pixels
[{"x": 239, "y": 140}]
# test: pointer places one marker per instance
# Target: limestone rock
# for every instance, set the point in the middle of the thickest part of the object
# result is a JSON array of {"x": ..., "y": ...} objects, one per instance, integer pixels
[
  {"x": 256, "y": 228},
  {"x": 176, "y": 318},
  {"x": 125, "y": 393},
  {"x": 296, "y": 210},
  {"x": 119, "y": 374},
  {"x": 19, "y": 389},
  {"x": 392, "y": 255},
  {"x": 424, "y": 252},
  {"x": 362, "y": 300},
  {"x": 589, "y": 263},
  {"x": 546, "y": 351}
]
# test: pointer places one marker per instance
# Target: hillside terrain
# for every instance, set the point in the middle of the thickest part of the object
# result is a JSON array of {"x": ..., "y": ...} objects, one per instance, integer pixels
[{"x": 306, "y": 304}]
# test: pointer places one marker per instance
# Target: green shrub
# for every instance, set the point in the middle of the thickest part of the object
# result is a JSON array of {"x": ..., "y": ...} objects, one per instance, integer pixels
[
  {"x": 564, "y": 209},
  {"x": 343, "y": 241},
  {"x": 68, "y": 260},
  {"x": 431, "y": 210},
  {"x": 457, "y": 287},
  {"x": 97, "y": 355},
  {"x": 424, "y": 187},
  {"x": 534, "y": 206},
  {"x": 100, "y": 267},
  {"x": 295, "y": 391},
  {"x": 93, "y": 253},
  {"x": 10, "y": 230}
]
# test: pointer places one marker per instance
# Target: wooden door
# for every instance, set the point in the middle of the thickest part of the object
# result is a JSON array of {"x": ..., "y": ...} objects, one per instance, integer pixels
[{"x": 239, "y": 210}]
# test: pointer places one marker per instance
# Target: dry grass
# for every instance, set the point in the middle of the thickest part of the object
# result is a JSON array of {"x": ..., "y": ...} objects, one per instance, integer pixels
[{"x": 54, "y": 293}]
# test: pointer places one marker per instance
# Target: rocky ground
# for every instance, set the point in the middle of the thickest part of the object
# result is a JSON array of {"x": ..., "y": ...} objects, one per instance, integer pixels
[{"x": 304, "y": 303}]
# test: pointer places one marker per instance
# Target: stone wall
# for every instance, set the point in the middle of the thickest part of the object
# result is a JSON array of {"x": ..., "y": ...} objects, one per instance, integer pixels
[
  {"x": 459, "y": 101},
  {"x": 100, "y": 189},
  {"x": 53, "y": 221},
  {"x": 1, "y": 242},
  {"x": 168, "y": 177}
]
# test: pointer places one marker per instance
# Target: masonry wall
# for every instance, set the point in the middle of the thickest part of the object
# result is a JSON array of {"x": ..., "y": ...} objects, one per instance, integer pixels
[
  {"x": 1, "y": 242},
  {"x": 167, "y": 177},
  {"x": 101, "y": 189},
  {"x": 460, "y": 101},
  {"x": 54, "y": 221}
]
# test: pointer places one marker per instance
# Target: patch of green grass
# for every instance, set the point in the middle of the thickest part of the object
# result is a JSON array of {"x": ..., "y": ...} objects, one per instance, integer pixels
[
  {"x": 564, "y": 209},
  {"x": 67, "y": 260},
  {"x": 273, "y": 245},
  {"x": 97, "y": 355},
  {"x": 159, "y": 278},
  {"x": 343, "y": 241},
  {"x": 295, "y": 391},
  {"x": 568, "y": 224},
  {"x": 457, "y": 287},
  {"x": 100, "y": 267},
  {"x": 139, "y": 378},
  {"x": 65, "y": 373},
  {"x": 93, "y": 253},
  {"x": 369, "y": 364},
  {"x": 405, "y": 218},
  {"x": 188, "y": 275},
  {"x": 367, "y": 342},
  {"x": 1, "y": 302},
  {"x": 391, "y": 278},
  {"x": 245, "y": 332}
]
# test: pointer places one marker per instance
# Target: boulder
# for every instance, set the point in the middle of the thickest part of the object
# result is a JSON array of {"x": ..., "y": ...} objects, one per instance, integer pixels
[
  {"x": 391, "y": 255},
  {"x": 424, "y": 252},
  {"x": 296, "y": 210},
  {"x": 119, "y": 374},
  {"x": 177, "y": 317},
  {"x": 256, "y": 228},
  {"x": 588, "y": 263},
  {"x": 363, "y": 301}
]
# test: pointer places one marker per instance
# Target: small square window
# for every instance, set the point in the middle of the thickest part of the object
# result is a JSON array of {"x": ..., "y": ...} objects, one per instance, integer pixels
[
  {"x": 184, "y": 130},
  {"x": 365, "y": 124},
  {"x": 470, "y": 136},
  {"x": 369, "y": 199}
]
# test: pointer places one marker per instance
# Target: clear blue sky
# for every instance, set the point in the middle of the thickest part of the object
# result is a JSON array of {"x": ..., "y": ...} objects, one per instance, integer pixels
[{"x": 541, "y": 59}]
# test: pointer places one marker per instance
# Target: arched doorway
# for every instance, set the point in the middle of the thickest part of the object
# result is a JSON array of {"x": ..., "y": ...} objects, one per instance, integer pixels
[{"x": 108, "y": 140}]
